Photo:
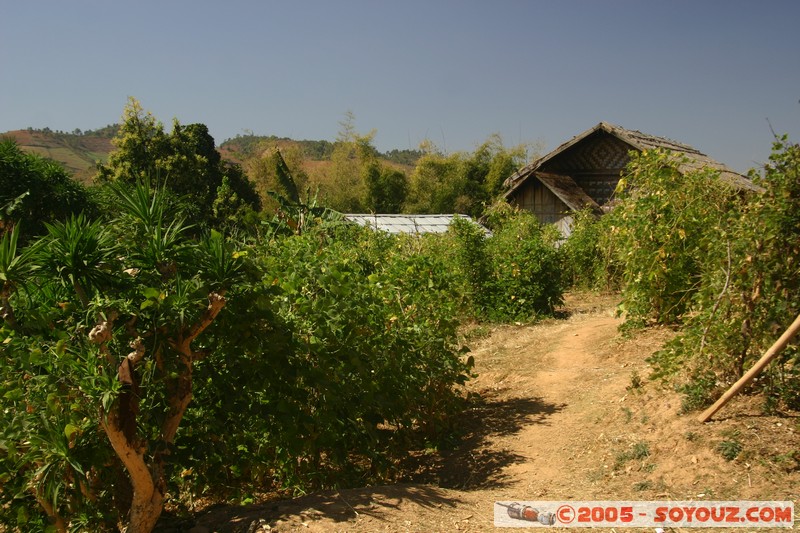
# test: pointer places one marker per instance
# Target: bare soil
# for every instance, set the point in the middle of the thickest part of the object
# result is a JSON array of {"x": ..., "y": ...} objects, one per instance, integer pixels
[{"x": 566, "y": 412}]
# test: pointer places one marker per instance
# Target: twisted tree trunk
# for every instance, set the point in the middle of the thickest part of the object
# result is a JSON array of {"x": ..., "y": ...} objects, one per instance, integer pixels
[{"x": 147, "y": 476}]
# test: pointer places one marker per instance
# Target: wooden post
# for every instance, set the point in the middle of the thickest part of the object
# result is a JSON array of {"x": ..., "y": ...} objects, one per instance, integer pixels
[{"x": 770, "y": 354}]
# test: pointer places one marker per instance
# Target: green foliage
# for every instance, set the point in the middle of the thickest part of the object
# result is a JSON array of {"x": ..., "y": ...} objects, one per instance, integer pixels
[
  {"x": 296, "y": 218},
  {"x": 235, "y": 203},
  {"x": 729, "y": 449},
  {"x": 14, "y": 267},
  {"x": 80, "y": 254},
  {"x": 700, "y": 388},
  {"x": 346, "y": 189},
  {"x": 277, "y": 171},
  {"x": 35, "y": 190},
  {"x": 206, "y": 189},
  {"x": 514, "y": 275},
  {"x": 387, "y": 188},
  {"x": 589, "y": 258},
  {"x": 358, "y": 180},
  {"x": 437, "y": 184},
  {"x": 336, "y": 352},
  {"x": 284, "y": 179},
  {"x": 95, "y": 291},
  {"x": 145, "y": 355},
  {"x": 463, "y": 183},
  {"x": 348, "y": 346},
  {"x": 528, "y": 276},
  {"x": 749, "y": 276},
  {"x": 475, "y": 264},
  {"x": 661, "y": 232},
  {"x": 140, "y": 144}
]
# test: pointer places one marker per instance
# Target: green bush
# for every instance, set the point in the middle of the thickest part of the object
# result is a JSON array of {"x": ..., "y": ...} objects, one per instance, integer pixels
[
  {"x": 750, "y": 275},
  {"x": 589, "y": 259},
  {"x": 719, "y": 262},
  {"x": 663, "y": 229},
  {"x": 729, "y": 449},
  {"x": 349, "y": 346},
  {"x": 35, "y": 190},
  {"x": 514, "y": 275},
  {"x": 527, "y": 269}
]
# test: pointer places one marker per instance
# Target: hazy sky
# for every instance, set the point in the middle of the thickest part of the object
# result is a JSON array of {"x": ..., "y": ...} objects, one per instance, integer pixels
[{"x": 707, "y": 73}]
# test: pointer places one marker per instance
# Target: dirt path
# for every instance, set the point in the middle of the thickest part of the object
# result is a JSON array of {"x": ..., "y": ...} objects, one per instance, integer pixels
[{"x": 563, "y": 416}]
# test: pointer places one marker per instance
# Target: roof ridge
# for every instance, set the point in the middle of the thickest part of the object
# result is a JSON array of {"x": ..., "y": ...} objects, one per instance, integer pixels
[{"x": 658, "y": 139}]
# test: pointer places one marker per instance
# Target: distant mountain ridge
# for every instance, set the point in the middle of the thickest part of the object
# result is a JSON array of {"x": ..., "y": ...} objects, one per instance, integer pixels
[{"x": 80, "y": 151}]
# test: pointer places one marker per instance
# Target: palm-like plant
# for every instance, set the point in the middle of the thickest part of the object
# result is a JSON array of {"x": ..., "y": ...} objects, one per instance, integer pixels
[
  {"x": 15, "y": 269},
  {"x": 80, "y": 253},
  {"x": 161, "y": 245}
]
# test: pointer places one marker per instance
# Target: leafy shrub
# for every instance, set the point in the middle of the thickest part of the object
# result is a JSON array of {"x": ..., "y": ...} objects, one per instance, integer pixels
[
  {"x": 748, "y": 276},
  {"x": 729, "y": 449},
  {"x": 589, "y": 259},
  {"x": 348, "y": 344},
  {"x": 35, "y": 190},
  {"x": 662, "y": 230},
  {"x": 474, "y": 264},
  {"x": 98, "y": 360},
  {"x": 514, "y": 275},
  {"x": 527, "y": 270}
]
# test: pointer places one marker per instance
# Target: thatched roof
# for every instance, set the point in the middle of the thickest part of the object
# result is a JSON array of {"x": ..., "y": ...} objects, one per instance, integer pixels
[
  {"x": 637, "y": 141},
  {"x": 414, "y": 224},
  {"x": 567, "y": 191}
]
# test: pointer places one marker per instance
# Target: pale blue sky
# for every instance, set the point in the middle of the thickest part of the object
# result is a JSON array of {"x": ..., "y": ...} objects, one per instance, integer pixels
[{"x": 707, "y": 73}]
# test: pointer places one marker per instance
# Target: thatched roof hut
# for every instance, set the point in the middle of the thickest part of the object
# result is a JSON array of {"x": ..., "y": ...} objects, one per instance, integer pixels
[{"x": 584, "y": 172}]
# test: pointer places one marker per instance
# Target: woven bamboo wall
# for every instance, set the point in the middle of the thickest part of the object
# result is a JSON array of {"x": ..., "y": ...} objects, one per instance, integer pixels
[{"x": 595, "y": 164}]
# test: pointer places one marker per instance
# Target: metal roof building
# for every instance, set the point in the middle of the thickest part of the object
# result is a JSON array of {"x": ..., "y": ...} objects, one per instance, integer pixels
[{"x": 413, "y": 224}]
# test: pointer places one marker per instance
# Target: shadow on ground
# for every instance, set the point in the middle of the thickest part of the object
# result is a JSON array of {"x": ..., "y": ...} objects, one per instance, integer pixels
[
  {"x": 336, "y": 506},
  {"x": 474, "y": 463}
]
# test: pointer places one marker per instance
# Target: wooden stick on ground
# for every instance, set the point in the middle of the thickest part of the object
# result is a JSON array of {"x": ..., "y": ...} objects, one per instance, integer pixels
[{"x": 770, "y": 354}]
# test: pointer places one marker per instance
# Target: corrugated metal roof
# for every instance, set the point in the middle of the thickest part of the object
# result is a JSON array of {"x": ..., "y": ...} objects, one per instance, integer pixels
[{"x": 413, "y": 224}]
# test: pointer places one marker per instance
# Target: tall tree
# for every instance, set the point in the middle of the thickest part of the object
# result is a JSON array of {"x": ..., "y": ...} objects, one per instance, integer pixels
[
  {"x": 346, "y": 189},
  {"x": 140, "y": 144},
  {"x": 186, "y": 162},
  {"x": 387, "y": 188},
  {"x": 463, "y": 182}
]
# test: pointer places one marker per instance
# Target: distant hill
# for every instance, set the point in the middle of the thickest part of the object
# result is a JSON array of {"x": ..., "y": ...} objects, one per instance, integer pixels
[
  {"x": 243, "y": 147},
  {"x": 80, "y": 151}
]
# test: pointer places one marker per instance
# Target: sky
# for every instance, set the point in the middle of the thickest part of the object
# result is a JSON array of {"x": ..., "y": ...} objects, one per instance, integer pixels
[{"x": 719, "y": 75}]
